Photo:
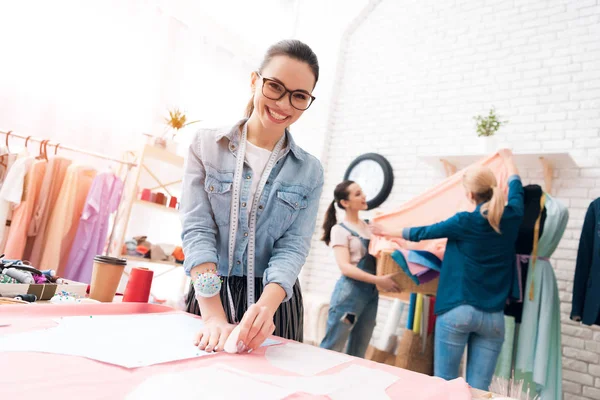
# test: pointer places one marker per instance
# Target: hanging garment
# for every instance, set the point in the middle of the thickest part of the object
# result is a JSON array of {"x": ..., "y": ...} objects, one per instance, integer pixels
[
  {"x": 504, "y": 366},
  {"x": 17, "y": 236},
  {"x": 64, "y": 219},
  {"x": 586, "y": 285},
  {"x": 7, "y": 160},
  {"x": 437, "y": 204},
  {"x": 539, "y": 352},
  {"x": 102, "y": 200},
  {"x": 524, "y": 245},
  {"x": 11, "y": 194},
  {"x": 56, "y": 169}
]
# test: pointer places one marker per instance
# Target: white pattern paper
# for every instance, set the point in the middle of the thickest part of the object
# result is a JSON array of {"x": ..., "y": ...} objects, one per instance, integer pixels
[
  {"x": 131, "y": 341},
  {"x": 337, "y": 385},
  {"x": 303, "y": 359},
  {"x": 212, "y": 383}
]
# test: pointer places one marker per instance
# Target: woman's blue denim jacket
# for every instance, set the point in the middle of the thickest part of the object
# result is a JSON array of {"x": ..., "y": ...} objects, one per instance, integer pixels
[{"x": 286, "y": 215}]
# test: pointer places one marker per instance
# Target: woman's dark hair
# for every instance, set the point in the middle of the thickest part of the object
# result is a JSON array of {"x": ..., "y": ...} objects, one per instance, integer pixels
[
  {"x": 340, "y": 193},
  {"x": 291, "y": 48}
]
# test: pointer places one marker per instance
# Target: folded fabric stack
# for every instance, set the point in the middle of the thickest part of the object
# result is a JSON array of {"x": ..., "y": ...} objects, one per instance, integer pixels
[
  {"x": 139, "y": 246},
  {"x": 419, "y": 265}
]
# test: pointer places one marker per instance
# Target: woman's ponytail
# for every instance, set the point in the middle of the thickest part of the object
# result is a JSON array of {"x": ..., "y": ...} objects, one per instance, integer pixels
[
  {"x": 494, "y": 208},
  {"x": 330, "y": 221},
  {"x": 482, "y": 184}
]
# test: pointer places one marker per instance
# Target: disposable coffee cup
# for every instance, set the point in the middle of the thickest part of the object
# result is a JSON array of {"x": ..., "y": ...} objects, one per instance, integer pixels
[{"x": 106, "y": 276}]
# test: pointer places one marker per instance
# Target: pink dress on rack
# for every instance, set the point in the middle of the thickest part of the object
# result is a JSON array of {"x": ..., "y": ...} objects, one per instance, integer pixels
[
  {"x": 17, "y": 236},
  {"x": 102, "y": 200},
  {"x": 65, "y": 217},
  {"x": 54, "y": 177}
]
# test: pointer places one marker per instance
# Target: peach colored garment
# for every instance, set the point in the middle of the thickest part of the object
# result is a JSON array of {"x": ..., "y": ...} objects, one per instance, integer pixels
[
  {"x": 17, "y": 236},
  {"x": 56, "y": 170},
  {"x": 64, "y": 219},
  {"x": 89, "y": 379},
  {"x": 435, "y": 205}
]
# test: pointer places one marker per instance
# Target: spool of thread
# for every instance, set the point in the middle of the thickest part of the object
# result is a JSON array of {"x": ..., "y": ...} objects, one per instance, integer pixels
[
  {"x": 50, "y": 273},
  {"x": 138, "y": 286},
  {"x": 40, "y": 279},
  {"x": 20, "y": 276},
  {"x": 152, "y": 198},
  {"x": 160, "y": 199},
  {"x": 30, "y": 298},
  {"x": 146, "y": 193},
  {"x": 173, "y": 202}
]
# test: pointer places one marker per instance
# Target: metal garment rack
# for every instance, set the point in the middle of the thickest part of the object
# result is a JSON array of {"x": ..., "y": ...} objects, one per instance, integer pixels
[{"x": 58, "y": 146}]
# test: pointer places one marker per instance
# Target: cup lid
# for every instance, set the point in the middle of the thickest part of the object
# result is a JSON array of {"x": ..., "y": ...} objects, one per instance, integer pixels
[{"x": 110, "y": 260}]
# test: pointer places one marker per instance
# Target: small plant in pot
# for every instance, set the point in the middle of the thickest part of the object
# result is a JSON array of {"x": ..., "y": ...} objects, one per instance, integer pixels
[
  {"x": 176, "y": 121},
  {"x": 486, "y": 129}
]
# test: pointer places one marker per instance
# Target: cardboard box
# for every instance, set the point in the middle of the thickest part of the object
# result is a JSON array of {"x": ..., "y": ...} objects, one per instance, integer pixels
[{"x": 43, "y": 291}]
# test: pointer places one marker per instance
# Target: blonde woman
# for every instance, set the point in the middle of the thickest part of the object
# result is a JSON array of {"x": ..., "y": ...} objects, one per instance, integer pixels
[{"x": 476, "y": 274}]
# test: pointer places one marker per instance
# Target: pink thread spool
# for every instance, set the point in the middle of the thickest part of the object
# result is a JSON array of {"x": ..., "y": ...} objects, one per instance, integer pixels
[{"x": 146, "y": 194}]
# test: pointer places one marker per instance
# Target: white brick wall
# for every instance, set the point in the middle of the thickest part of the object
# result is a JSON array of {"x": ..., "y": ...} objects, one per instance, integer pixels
[{"x": 414, "y": 73}]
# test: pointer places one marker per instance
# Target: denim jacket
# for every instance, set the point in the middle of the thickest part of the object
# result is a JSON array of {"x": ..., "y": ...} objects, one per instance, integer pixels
[{"x": 286, "y": 215}]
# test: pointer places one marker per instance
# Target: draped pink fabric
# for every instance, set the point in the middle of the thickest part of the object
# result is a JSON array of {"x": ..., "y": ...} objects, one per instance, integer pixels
[{"x": 437, "y": 204}]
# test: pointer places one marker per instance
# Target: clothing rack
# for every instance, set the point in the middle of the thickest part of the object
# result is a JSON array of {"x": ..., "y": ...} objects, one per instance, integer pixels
[{"x": 63, "y": 147}]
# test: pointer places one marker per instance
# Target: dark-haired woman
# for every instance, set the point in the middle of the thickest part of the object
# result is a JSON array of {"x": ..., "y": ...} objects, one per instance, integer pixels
[
  {"x": 353, "y": 306},
  {"x": 249, "y": 206}
]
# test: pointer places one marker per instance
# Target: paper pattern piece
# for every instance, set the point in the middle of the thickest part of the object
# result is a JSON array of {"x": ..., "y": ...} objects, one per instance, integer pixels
[
  {"x": 212, "y": 383},
  {"x": 303, "y": 359},
  {"x": 339, "y": 385},
  {"x": 378, "y": 382},
  {"x": 130, "y": 341}
]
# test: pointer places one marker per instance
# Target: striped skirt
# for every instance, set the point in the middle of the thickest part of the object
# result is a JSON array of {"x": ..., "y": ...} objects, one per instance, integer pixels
[{"x": 288, "y": 319}]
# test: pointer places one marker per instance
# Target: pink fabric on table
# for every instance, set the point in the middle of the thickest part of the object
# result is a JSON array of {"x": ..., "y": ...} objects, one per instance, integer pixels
[
  {"x": 61, "y": 377},
  {"x": 435, "y": 205}
]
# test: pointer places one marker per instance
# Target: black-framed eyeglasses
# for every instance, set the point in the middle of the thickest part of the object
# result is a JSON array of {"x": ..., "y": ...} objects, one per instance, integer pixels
[{"x": 274, "y": 90}]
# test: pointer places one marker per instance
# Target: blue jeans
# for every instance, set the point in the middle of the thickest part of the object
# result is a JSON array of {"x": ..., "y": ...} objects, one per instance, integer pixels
[
  {"x": 482, "y": 331},
  {"x": 352, "y": 314}
]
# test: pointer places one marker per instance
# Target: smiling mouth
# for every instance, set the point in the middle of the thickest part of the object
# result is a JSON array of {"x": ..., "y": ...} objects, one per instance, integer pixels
[{"x": 276, "y": 116}]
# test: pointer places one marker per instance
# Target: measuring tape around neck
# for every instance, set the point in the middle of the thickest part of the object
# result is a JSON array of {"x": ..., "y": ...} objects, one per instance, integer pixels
[{"x": 234, "y": 216}]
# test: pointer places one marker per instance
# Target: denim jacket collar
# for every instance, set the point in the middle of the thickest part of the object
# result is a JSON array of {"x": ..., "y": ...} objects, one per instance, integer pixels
[{"x": 234, "y": 139}]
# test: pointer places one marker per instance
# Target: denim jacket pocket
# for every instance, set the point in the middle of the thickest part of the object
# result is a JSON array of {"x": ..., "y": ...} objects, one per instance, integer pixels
[
  {"x": 286, "y": 208},
  {"x": 219, "y": 194}
]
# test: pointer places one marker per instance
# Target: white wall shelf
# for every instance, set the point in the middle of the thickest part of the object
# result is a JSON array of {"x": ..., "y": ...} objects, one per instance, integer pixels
[{"x": 451, "y": 163}]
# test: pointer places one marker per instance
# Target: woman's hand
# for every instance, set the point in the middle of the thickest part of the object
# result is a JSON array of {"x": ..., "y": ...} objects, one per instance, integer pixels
[
  {"x": 378, "y": 230},
  {"x": 214, "y": 334},
  {"x": 387, "y": 283},
  {"x": 256, "y": 326},
  {"x": 505, "y": 153}
]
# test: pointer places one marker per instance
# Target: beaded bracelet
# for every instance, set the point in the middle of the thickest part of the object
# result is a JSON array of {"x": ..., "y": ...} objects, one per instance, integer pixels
[{"x": 207, "y": 284}]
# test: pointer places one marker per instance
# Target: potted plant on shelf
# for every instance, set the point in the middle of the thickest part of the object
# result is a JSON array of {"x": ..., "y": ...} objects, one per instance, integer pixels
[
  {"x": 486, "y": 129},
  {"x": 176, "y": 121}
]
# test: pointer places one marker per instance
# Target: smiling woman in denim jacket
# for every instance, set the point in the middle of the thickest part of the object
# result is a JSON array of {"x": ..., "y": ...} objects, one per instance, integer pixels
[
  {"x": 249, "y": 207},
  {"x": 353, "y": 306},
  {"x": 477, "y": 273}
]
